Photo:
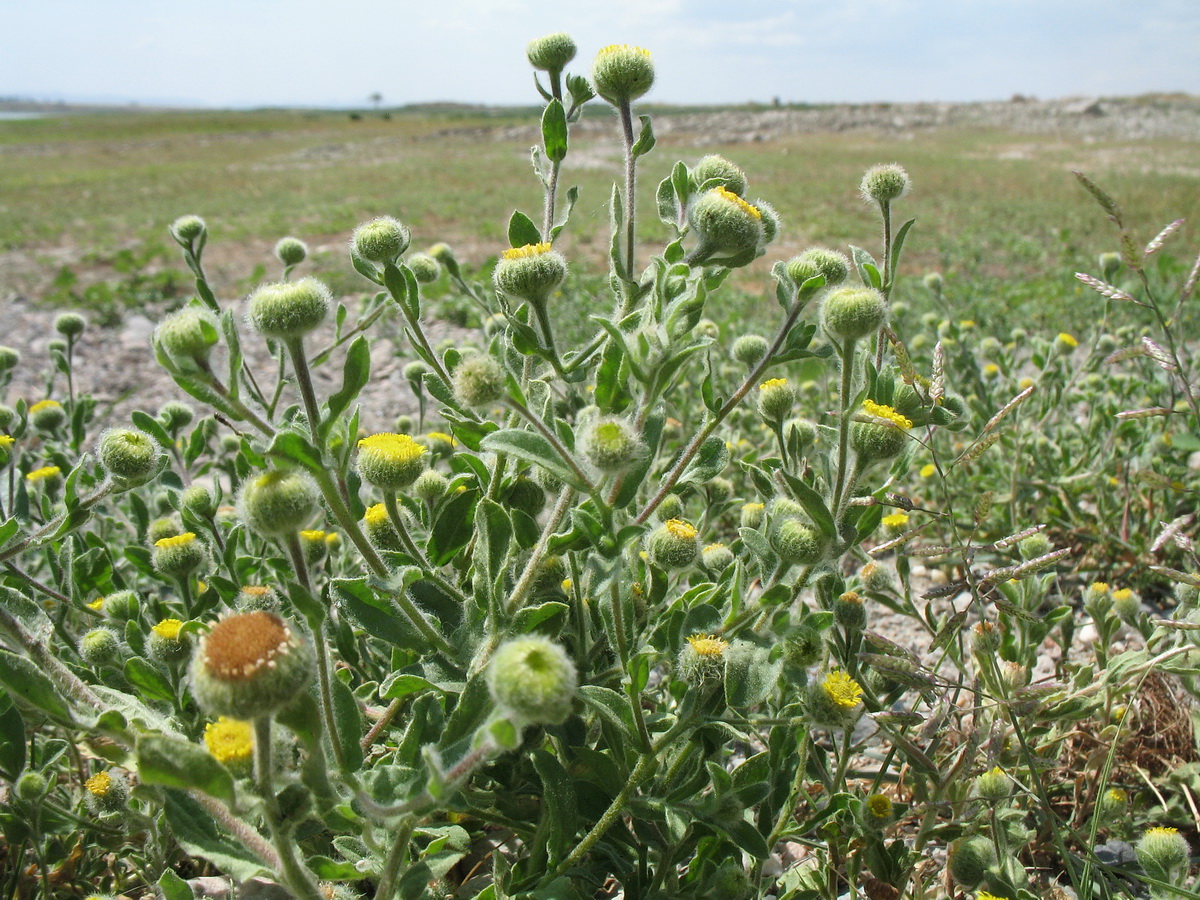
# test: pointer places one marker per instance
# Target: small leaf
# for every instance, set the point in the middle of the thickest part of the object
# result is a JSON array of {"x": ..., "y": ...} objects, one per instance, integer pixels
[
  {"x": 152, "y": 427},
  {"x": 145, "y": 676},
  {"x": 522, "y": 231},
  {"x": 197, "y": 833},
  {"x": 531, "y": 447},
  {"x": 173, "y": 887},
  {"x": 554, "y": 132},
  {"x": 31, "y": 684},
  {"x": 171, "y": 762},
  {"x": 355, "y": 374},
  {"x": 645, "y": 142}
]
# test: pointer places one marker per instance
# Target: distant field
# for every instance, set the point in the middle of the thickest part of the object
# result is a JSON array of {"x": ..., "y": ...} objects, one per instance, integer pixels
[{"x": 997, "y": 209}]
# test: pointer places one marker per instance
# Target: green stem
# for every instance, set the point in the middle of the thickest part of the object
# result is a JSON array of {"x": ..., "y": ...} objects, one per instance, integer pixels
[
  {"x": 630, "y": 199},
  {"x": 295, "y": 875},
  {"x": 406, "y": 538},
  {"x": 552, "y": 439},
  {"x": 395, "y": 860},
  {"x": 295, "y": 349},
  {"x": 529, "y": 573},
  {"x": 341, "y": 512},
  {"x": 843, "y": 451},
  {"x": 635, "y": 700},
  {"x": 46, "y": 531}
]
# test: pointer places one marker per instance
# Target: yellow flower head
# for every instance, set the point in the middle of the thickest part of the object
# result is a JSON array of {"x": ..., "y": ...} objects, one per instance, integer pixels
[
  {"x": 680, "y": 529},
  {"x": 928, "y": 470},
  {"x": 842, "y": 689},
  {"x": 44, "y": 404},
  {"x": 168, "y": 629},
  {"x": 229, "y": 740},
  {"x": 1025, "y": 383},
  {"x": 725, "y": 194},
  {"x": 179, "y": 540},
  {"x": 43, "y": 473},
  {"x": 880, "y": 806},
  {"x": 707, "y": 645},
  {"x": 440, "y": 437},
  {"x": 527, "y": 250},
  {"x": 714, "y": 546},
  {"x": 1068, "y": 339},
  {"x": 313, "y": 535},
  {"x": 7, "y": 440},
  {"x": 991, "y": 370},
  {"x": 895, "y": 520},
  {"x": 1099, "y": 587},
  {"x": 886, "y": 412},
  {"x": 97, "y": 604},
  {"x": 753, "y": 507},
  {"x": 1122, "y": 594},
  {"x": 99, "y": 784},
  {"x": 376, "y": 515},
  {"x": 1162, "y": 829},
  {"x": 984, "y": 895},
  {"x": 772, "y": 383},
  {"x": 398, "y": 448},
  {"x": 1118, "y": 795}
]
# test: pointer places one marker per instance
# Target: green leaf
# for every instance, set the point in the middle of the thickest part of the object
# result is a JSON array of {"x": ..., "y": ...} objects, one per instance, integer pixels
[
  {"x": 378, "y": 616},
  {"x": 452, "y": 529},
  {"x": 708, "y": 463},
  {"x": 173, "y": 887},
  {"x": 197, "y": 833},
  {"x": 529, "y": 618},
  {"x": 572, "y": 197},
  {"x": 554, "y": 132},
  {"x": 399, "y": 685},
  {"x": 668, "y": 205},
  {"x": 349, "y": 724},
  {"x": 12, "y": 741},
  {"x": 8, "y": 529},
  {"x": 152, "y": 427},
  {"x": 25, "y": 680},
  {"x": 645, "y": 142},
  {"x": 560, "y": 818},
  {"x": 612, "y": 707},
  {"x": 898, "y": 245},
  {"x": 746, "y": 836},
  {"x": 814, "y": 505},
  {"x": 493, "y": 535},
  {"x": 868, "y": 269},
  {"x": 522, "y": 231},
  {"x": 291, "y": 446},
  {"x": 531, "y": 447},
  {"x": 147, "y": 678},
  {"x": 171, "y": 762},
  {"x": 355, "y": 374}
]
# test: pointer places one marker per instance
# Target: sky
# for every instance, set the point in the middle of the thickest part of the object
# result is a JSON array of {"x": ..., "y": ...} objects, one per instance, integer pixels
[{"x": 240, "y": 53}]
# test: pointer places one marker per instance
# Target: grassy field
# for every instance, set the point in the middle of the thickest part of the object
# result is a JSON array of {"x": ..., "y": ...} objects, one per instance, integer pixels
[{"x": 998, "y": 213}]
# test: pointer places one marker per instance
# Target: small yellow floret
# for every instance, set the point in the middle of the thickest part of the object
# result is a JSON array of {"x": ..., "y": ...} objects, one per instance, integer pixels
[
  {"x": 895, "y": 520},
  {"x": 620, "y": 48},
  {"x": 527, "y": 250},
  {"x": 725, "y": 194},
  {"x": 880, "y": 806},
  {"x": 229, "y": 740},
  {"x": 716, "y": 546},
  {"x": 928, "y": 470},
  {"x": 44, "y": 404},
  {"x": 967, "y": 323},
  {"x": 400, "y": 448},
  {"x": 179, "y": 540},
  {"x": 1162, "y": 829},
  {"x": 168, "y": 629},
  {"x": 753, "y": 507},
  {"x": 1122, "y": 594},
  {"x": 43, "y": 473},
  {"x": 313, "y": 535},
  {"x": 680, "y": 529},
  {"x": 376, "y": 515},
  {"x": 97, "y": 604},
  {"x": 99, "y": 784},
  {"x": 842, "y": 689},
  {"x": 1099, "y": 587},
  {"x": 1068, "y": 339},
  {"x": 886, "y": 412},
  {"x": 7, "y": 440},
  {"x": 984, "y": 895},
  {"x": 707, "y": 644},
  {"x": 772, "y": 383}
]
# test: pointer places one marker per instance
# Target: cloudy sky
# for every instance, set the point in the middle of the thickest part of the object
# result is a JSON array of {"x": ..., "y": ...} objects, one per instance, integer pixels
[{"x": 324, "y": 53}]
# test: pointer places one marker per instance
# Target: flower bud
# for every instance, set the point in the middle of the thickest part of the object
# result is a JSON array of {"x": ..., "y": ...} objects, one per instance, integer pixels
[
  {"x": 1164, "y": 854},
  {"x": 798, "y": 543},
  {"x": 381, "y": 240},
  {"x": 1127, "y": 605},
  {"x": 610, "y": 444},
  {"x": 993, "y": 786},
  {"x": 702, "y": 659},
  {"x": 431, "y": 486},
  {"x": 198, "y": 500},
  {"x": 834, "y": 701},
  {"x": 106, "y": 793},
  {"x": 875, "y": 578},
  {"x": 848, "y": 611},
  {"x": 128, "y": 454},
  {"x": 277, "y": 503},
  {"x": 288, "y": 309},
  {"x": 751, "y": 515},
  {"x": 673, "y": 545},
  {"x": 526, "y": 495},
  {"x": 1065, "y": 344},
  {"x": 985, "y": 639},
  {"x": 934, "y": 281},
  {"x": 164, "y": 527},
  {"x": 832, "y": 265},
  {"x": 531, "y": 272},
  {"x": 445, "y": 257},
  {"x": 175, "y": 415},
  {"x": 726, "y": 224},
  {"x": 100, "y": 647},
  {"x": 671, "y": 507},
  {"x": 718, "y": 489},
  {"x": 31, "y": 786},
  {"x": 878, "y": 811},
  {"x": 178, "y": 556},
  {"x": 718, "y": 169},
  {"x": 716, "y": 557},
  {"x": 775, "y": 399},
  {"x": 532, "y": 679},
  {"x": 187, "y": 229},
  {"x": 804, "y": 647},
  {"x": 314, "y": 546},
  {"x": 1113, "y": 804},
  {"x": 380, "y": 530},
  {"x": 122, "y": 605},
  {"x": 621, "y": 73},
  {"x": 884, "y": 183},
  {"x": 70, "y": 325},
  {"x": 425, "y": 268},
  {"x": 803, "y": 431},
  {"x": 9, "y": 359},
  {"x": 291, "y": 251},
  {"x": 478, "y": 381},
  {"x": 390, "y": 461},
  {"x": 47, "y": 415},
  {"x": 881, "y": 438},
  {"x": 257, "y": 597},
  {"x": 250, "y": 665},
  {"x": 552, "y": 52},
  {"x": 852, "y": 313},
  {"x": 187, "y": 336},
  {"x": 749, "y": 349},
  {"x": 971, "y": 858},
  {"x": 1109, "y": 264}
]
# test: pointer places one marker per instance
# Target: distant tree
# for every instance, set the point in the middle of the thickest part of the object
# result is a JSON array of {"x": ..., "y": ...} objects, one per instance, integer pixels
[{"x": 376, "y": 98}]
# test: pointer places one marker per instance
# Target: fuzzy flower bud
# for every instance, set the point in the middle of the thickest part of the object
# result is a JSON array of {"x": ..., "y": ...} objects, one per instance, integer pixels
[
  {"x": 1127, "y": 605},
  {"x": 250, "y": 665},
  {"x": 775, "y": 399},
  {"x": 885, "y": 183},
  {"x": 187, "y": 229},
  {"x": 835, "y": 701},
  {"x": 552, "y": 52},
  {"x": 31, "y": 786},
  {"x": 277, "y": 503},
  {"x": 425, "y": 268},
  {"x": 478, "y": 381},
  {"x": 993, "y": 786},
  {"x": 390, "y": 461},
  {"x": 179, "y": 556},
  {"x": 881, "y": 438},
  {"x": 610, "y": 444},
  {"x": 751, "y": 515},
  {"x": 749, "y": 349},
  {"x": 291, "y": 251},
  {"x": 1164, "y": 854},
  {"x": 798, "y": 543},
  {"x": 970, "y": 860},
  {"x": 878, "y": 811},
  {"x": 1065, "y": 344},
  {"x": 70, "y": 325},
  {"x": 673, "y": 545},
  {"x": 985, "y": 639},
  {"x": 166, "y": 641},
  {"x": 718, "y": 169},
  {"x": 533, "y": 680},
  {"x": 621, "y": 73},
  {"x": 198, "y": 500},
  {"x": 1034, "y": 546},
  {"x": 702, "y": 659},
  {"x": 175, "y": 415},
  {"x": 726, "y": 224},
  {"x": 526, "y": 495},
  {"x": 380, "y": 530},
  {"x": 106, "y": 793},
  {"x": 671, "y": 507},
  {"x": 431, "y": 486},
  {"x": 47, "y": 415},
  {"x": 381, "y": 240},
  {"x": 100, "y": 647},
  {"x": 804, "y": 647},
  {"x": 531, "y": 272},
  {"x": 128, "y": 454},
  {"x": 9, "y": 359},
  {"x": 848, "y": 611},
  {"x": 853, "y": 313},
  {"x": 832, "y": 265},
  {"x": 716, "y": 557},
  {"x": 288, "y": 309},
  {"x": 187, "y": 336}
]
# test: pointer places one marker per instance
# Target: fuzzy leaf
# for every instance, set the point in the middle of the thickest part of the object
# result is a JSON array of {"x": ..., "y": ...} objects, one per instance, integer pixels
[
  {"x": 522, "y": 231},
  {"x": 175, "y": 763}
]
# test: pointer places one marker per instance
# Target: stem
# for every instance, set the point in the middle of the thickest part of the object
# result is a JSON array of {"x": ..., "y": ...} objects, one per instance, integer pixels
[
  {"x": 239, "y": 829},
  {"x": 630, "y": 199},
  {"x": 393, "y": 511},
  {"x": 843, "y": 426},
  {"x": 525, "y": 582},
  {"x": 635, "y": 701},
  {"x": 297, "y": 877},
  {"x": 395, "y": 860},
  {"x": 295, "y": 349},
  {"x": 552, "y": 439},
  {"x": 885, "y": 208},
  {"x": 342, "y": 513},
  {"x": 49, "y": 528}
]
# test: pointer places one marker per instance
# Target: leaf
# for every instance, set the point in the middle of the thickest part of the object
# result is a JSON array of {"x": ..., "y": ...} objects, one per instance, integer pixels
[
  {"x": 708, "y": 463},
  {"x": 12, "y": 741},
  {"x": 378, "y": 616},
  {"x": 645, "y": 142},
  {"x": 146, "y": 677},
  {"x": 197, "y": 833},
  {"x": 612, "y": 707},
  {"x": 452, "y": 529},
  {"x": 291, "y": 446},
  {"x": 746, "y": 836},
  {"x": 493, "y": 535},
  {"x": 531, "y": 447},
  {"x": 529, "y": 618},
  {"x": 522, "y": 231},
  {"x": 173, "y": 887},
  {"x": 560, "y": 818},
  {"x": 868, "y": 269},
  {"x": 668, "y": 205},
  {"x": 814, "y": 505},
  {"x": 175, "y": 763},
  {"x": 348, "y": 720},
  {"x": 554, "y": 132},
  {"x": 31, "y": 684},
  {"x": 898, "y": 245},
  {"x": 399, "y": 685},
  {"x": 152, "y": 427},
  {"x": 355, "y": 374}
]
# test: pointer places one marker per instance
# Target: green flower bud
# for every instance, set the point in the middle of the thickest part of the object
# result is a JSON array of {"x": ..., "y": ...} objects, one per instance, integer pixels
[
  {"x": 478, "y": 380},
  {"x": 1127, "y": 605},
  {"x": 47, "y": 415},
  {"x": 993, "y": 786},
  {"x": 531, "y": 272},
  {"x": 314, "y": 545},
  {"x": 622, "y": 74},
  {"x": 425, "y": 268},
  {"x": 986, "y": 639},
  {"x": 439, "y": 444},
  {"x": 405, "y": 424},
  {"x": 751, "y": 515},
  {"x": 848, "y": 611},
  {"x": 9, "y": 359},
  {"x": 834, "y": 701},
  {"x": 717, "y": 171},
  {"x": 106, "y": 793},
  {"x": 57, "y": 345},
  {"x": 716, "y": 557},
  {"x": 671, "y": 507},
  {"x": 673, "y": 545},
  {"x": 179, "y": 556},
  {"x": 128, "y": 454},
  {"x": 726, "y": 224},
  {"x": 550, "y": 575},
  {"x": 934, "y": 281},
  {"x": 7, "y": 416},
  {"x": 1065, "y": 344},
  {"x": 798, "y": 543},
  {"x": 381, "y": 240},
  {"x": 1113, "y": 804},
  {"x": 853, "y": 313},
  {"x": 552, "y": 52},
  {"x": 831, "y": 264},
  {"x": 390, "y": 461},
  {"x": 445, "y": 257},
  {"x": 770, "y": 220},
  {"x": 1109, "y": 264},
  {"x": 32, "y": 786},
  {"x": 702, "y": 659},
  {"x": 971, "y": 858},
  {"x": 783, "y": 509},
  {"x": 533, "y": 680},
  {"x": 805, "y": 432},
  {"x": 379, "y": 529},
  {"x": 165, "y": 527},
  {"x": 257, "y": 597},
  {"x": 730, "y": 882},
  {"x": 100, "y": 647},
  {"x": 610, "y": 444},
  {"x": 718, "y": 489},
  {"x": 231, "y": 743},
  {"x": 277, "y": 503},
  {"x": 187, "y": 229},
  {"x": 775, "y": 399},
  {"x": 249, "y": 665},
  {"x": 291, "y": 251},
  {"x": 175, "y": 415},
  {"x": 707, "y": 328},
  {"x": 187, "y": 336},
  {"x": 199, "y": 501},
  {"x": 873, "y": 441},
  {"x": 288, "y": 309},
  {"x": 1164, "y": 854},
  {"x": 804, "y": 647},
  {"x": 885, "y": 183},
  {"x": 122, "y": 605},
  {"x": 431, "y": 486},
  {"x": 231, "y": 443},
  {"x": 70, "y": 325},
  {"x": 749, "y": 349},
  {"x": 526, "y": 495}
]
